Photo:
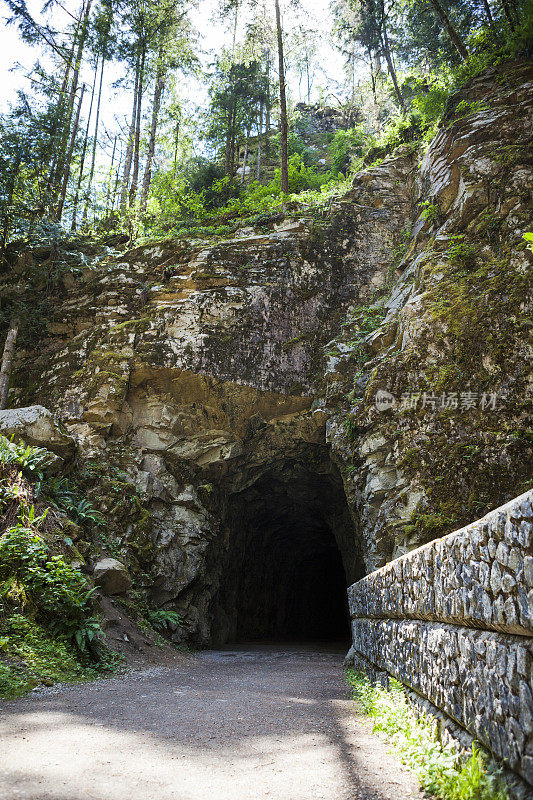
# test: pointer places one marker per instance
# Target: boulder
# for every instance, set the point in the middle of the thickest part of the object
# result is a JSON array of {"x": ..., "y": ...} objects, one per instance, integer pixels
[
  {"x": 112, "y": 576},
  {"x": 349, "y": 658},
  {"x": 37, "y": 426}
]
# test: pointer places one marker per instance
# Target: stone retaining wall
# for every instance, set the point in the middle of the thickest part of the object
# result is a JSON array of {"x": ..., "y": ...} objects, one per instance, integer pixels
[{"x": 453, "y": 621}]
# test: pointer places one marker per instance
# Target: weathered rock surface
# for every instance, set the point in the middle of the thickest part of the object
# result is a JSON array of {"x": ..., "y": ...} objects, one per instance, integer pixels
[
  {"x": 223, "y": 393},
  {"x": 111, "y": 576},
  {"x": 452, "y": 355},
  {"x": 208, "y": 391},
  {"x": 36, "y": 425}
]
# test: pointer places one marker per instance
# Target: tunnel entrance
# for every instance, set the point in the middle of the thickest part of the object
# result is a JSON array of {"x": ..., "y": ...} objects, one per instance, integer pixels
[{"x": 290, "y": 555}]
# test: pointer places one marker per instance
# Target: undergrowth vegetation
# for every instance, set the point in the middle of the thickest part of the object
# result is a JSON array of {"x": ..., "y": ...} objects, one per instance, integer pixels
[
  {"x": 213, "y": 205},
  {"x": 31, "y": 656},
  {"x": 440, "y": 769},
  {"x": 49, "y": 630}
]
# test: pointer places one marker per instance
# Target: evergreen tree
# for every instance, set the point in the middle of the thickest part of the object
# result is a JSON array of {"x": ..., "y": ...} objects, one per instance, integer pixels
[{"x": 237, "y": 93}]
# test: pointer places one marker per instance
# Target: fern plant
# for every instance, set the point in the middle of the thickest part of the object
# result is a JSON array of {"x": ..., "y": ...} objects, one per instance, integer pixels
[
  {"x": 31, "y": 461},
  {"x": 64, "y": 497},
  {"x": 162, "y": 618}
]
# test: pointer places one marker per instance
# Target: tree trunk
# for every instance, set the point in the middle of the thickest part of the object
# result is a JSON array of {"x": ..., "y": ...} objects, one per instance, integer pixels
[
  {"x": 374, "y": 92},
  {"x": 492, "y": 24},
  {"x": 235, "y": 29},
  {"x": 158, "y": 93},
  {"x": 229, "y": 154},
  {"x": 512, "y": 18},
  {"x": 259, "y": 142},
  {"x": 109, "y": 182},
  {"x": 8, "y": 201},
  {"x": 176, "y": 141},
  {"x": 513, "y": 5},
  {"x": 490, "y": 18},
  {"x": 117, "y": 179},
  {"x": 227, "y": 145},
  {"x": 7, "y": 361},
  {"x": 245, "y": 159},
  {"x": 233, "y": 142},
  {"x": 135, "y": 174},
  {"x": 284, "y": 126},
  {"x": 72, "y": 96},
  {"x": 95, "y": 139},
  {"x": 353, "y": 78},
  {"x": 68, "y": 163},
  {"x": 129, "y": 148},
  {"x": 79, "y": 57},
  {"x": 83, "y": 153},
  {"x": 62, "y": 109},
  {"x": 267, "y": 105},
  {"x": 307, "y": 66},
  {"x": 390, "y": 65},
  {"x": 454, "y": 36}
]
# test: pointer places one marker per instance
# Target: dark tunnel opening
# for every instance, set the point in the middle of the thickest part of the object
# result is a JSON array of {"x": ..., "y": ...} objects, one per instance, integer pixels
[{"x": 291, "y": 553}]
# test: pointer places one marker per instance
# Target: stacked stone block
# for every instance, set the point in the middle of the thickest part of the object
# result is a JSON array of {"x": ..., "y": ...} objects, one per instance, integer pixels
[{"x": 453, "y": 621}]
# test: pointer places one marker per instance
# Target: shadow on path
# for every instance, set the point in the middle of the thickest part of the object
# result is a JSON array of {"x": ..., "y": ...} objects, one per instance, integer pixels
[{"x": 247, "y": 724}]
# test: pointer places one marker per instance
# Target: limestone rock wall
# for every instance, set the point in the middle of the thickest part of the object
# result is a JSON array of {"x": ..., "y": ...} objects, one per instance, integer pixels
[
  {"x": 191, "y": 371},
  {"x": 453, "y": 621},
  {"x": 451, "y": 355}
]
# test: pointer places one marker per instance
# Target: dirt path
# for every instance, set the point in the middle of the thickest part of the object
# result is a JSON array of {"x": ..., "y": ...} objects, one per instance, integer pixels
[{"x": 257, "y": 723}]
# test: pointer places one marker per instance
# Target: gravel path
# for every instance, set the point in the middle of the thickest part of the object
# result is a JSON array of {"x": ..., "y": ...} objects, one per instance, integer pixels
[{"x": 250, "y": 724}]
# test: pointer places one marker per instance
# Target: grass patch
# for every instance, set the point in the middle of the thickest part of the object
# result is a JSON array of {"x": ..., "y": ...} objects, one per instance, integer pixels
[
  {"x": 440, "y": 769},
  {"x": 31, "y": 656}
]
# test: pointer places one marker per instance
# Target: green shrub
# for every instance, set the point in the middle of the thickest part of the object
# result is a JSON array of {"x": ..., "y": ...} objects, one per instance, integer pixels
[
  {"x": 440, "y": 769},
  {"x": 30, "y": 655},
  {"x": 430, "y": 212},
  {"x": 203, "y": 174},
  {"x": 297, "y": 146},
  {"x": 461, "y": 253},
  {"x": 344, "y": 146},
  {"x": 430, "y": 106},
  {"x": 465, "y": 109},
  {"x": 46, "y": 587},
  {"x": 401, "y": 129}
]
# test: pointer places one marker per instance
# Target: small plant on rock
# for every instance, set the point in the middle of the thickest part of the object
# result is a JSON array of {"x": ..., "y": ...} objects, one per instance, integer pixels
[
  {"x": 65, "y": 497},
  {"x": 162, "y": 619},
  {"x": 430, "y": 212},
  {"x": 31, "y": 461}
]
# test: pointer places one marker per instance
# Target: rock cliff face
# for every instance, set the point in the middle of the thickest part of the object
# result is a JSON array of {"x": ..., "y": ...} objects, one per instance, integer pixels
[
  {"x": 451, "y": 359},
  {"x": 223, "y": 393}
]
